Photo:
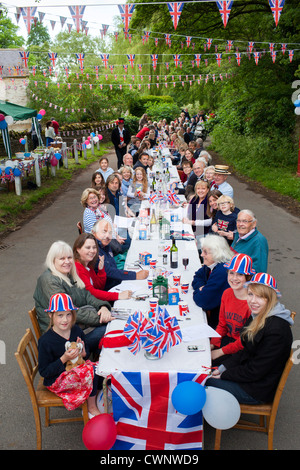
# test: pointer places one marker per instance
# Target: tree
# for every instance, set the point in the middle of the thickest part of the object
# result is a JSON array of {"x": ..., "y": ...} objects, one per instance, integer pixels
[{"x": 8, "y": 32}]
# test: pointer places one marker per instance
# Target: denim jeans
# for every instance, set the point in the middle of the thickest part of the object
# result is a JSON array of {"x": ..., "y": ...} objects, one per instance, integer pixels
[
  {"x": 234, "y": 388},
  {"x": 93, "y": 337}
]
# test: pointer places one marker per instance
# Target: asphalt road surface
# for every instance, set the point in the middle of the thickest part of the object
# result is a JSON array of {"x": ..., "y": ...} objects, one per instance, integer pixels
[{"x": 22, "y": 255}]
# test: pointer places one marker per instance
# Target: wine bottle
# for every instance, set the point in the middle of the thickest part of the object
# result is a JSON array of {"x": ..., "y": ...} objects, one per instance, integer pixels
[
  {"x": 153, "y": 222},
  {"x": 174, "y": 255}
]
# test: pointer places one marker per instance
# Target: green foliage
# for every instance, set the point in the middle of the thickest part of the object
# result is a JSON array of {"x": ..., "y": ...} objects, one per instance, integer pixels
[
  {"x": 8, "y": 32},
  {"x": 157, "y": 111},
  {"x": 139, "y": 104}
]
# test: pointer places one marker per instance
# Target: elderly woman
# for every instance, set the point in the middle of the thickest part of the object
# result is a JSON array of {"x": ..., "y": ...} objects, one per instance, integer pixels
[
  {"x": 90, "y": 200},
  {"x": 210, "y": 280},
  {"x": 252, "y": 374},
  {"x": 60, "y": 276}
]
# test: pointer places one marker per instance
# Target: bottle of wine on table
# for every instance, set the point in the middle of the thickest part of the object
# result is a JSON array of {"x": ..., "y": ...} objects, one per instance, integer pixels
[{"x": 174, "y": 255}]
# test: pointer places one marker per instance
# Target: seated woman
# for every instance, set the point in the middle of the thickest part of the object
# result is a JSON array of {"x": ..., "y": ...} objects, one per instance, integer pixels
[
  {"x": 197, "y": 211},
  {"x": 253, "y": 373},
  {"x": 210, "y": 280},
  {"x": 90, "y": 200},
  {"x": 127, "y": 175},
  {"x": 138, "y": 190},
  {"x": 60, "y": 276},
  {"x": 234, "y": 309},
  {"x": 86, "y": 256}
]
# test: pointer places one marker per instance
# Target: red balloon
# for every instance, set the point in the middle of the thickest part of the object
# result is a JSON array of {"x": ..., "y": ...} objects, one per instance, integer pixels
[
  {"x": 2, "y": 117},
  {"x": 100, "y": 432},
  {"x": 54, "y": 161}
]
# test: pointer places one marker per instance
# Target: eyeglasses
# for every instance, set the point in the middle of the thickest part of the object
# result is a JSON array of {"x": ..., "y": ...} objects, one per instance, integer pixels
[
  {"x": 224, "y": 202},
  {"x": 241, "y": 221}
]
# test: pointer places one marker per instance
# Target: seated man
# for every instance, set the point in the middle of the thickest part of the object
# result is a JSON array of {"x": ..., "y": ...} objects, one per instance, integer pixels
[
  {"x": 198, "y": 174},
  {"x": 249, "y": 241},
  {"x": 220, "y": 183},
  {"x": 142, "y": 162},
  {"x": 102, "y": 231},
  {"x": 127, "y": 160}
]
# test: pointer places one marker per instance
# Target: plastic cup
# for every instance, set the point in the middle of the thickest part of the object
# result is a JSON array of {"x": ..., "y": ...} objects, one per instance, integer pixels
[
  {"x": 183, "y": 308},
  {"x": 176, "y": 280},
  {"x": 150, "y": 284},
  {"x": 185, "y": 288}
]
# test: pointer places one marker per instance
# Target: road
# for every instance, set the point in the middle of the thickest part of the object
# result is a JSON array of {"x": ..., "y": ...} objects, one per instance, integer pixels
[{"x": 22, "y": 255}]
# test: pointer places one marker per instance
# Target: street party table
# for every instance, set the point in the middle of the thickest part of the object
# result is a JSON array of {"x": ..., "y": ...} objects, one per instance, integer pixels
[{"x": 142, "y": 384}]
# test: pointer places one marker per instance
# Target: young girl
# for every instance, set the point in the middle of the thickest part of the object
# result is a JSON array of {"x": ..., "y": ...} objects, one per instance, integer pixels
[
  {"x": 253, "y": 373},
  {"x": 138, "y": 190},
  {"x": 97, "y": 181},
  {"x": 80, "y": 383},
  {"x": 104, "y": 169},
  {"x": 86, "y": 256},
  {"x": 234, "y": 309},
  {"x": 224, "y": 223}
]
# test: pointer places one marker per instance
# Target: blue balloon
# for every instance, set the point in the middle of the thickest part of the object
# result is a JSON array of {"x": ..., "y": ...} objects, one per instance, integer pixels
[
  {"x": 7, "y": 170},
  {"x": 297, "y": 103},
  {"x": 17, "y": 172},
  {"x": 57, "y": 156},
  {"x": 27, "y": 154},
  {"x": 39, "y": 116},
  {"x": 93, "y": 134},
  {"x": 188, "y": 397},
  {"x": 3, "y": 124}
]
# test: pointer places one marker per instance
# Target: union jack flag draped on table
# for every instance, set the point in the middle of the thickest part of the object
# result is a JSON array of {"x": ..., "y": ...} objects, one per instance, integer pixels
[
  {"x": 145, "y": 416},
  {"x": 276, "y": 8},
  {"x": 77, "y": 15},
  {"x": 28, "y": 16},
  {"x": 126, "y": 12},
  {"x": 225, "y": 8},
  {"x": 175, "y": 9}
]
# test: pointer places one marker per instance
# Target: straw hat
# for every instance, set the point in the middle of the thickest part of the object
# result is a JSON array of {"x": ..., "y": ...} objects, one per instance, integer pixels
[{"x": 222, "y": 169}]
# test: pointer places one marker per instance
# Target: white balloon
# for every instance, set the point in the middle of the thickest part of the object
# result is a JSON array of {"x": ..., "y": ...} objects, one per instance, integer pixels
[
  {"x": 221, "y": 409},
  {"x": 9, "y": 119},
  {"x": 88, "y": 146},
  {"x": 96, "y": 139}
]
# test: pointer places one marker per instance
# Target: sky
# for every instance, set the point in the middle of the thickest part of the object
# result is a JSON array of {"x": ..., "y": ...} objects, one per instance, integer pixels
[{"x": 97, "y": 12}]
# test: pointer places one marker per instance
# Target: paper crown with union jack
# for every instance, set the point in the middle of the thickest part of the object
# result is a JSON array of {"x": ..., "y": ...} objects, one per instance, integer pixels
[
  {"x": 241, "y": 264},
  {"x": 60, "y": 303},
  {"x": 266, "y": 280}
]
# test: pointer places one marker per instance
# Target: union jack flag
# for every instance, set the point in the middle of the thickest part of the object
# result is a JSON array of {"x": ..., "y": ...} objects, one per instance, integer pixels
[
  {"x": 77, "y": 15},
  {"x": 256, "y": 56},
  {"x": 126, "y": 12},
  {"x": 154, "y": 58},
  {"x": 176, "y": 58},
  {"x": 229, "y": 44},
  {"x": 225, "y": 8},
  {"x": 188, "y": 40},
  {"x": 276, "y": 8},
  {"x": 250, "y": 46},
  {"x": 105, "y": 58},
  {"x": 52, "y": 57},
  {"x": 198, "y": 59},
  {"x": 80, "y": 58},
  {"x": 219, "y": 58},
  {"x": 209, "y": 42},
  {"x": 131, "y": 58},
  {"x": 168, "y": 39},
  {"x": 238, "y": 57},
  {"x": 175, "y": 10},
  {"x": 291, "y": 54},
  {"x": 24, "y": 56},
  {"x": 173, "y": 198},
  {"x": 28, "y": 16},
  {"x": 145, "y": 416}
]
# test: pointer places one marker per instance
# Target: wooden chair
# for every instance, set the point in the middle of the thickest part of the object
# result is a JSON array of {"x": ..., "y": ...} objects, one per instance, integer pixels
[
  {"x": 41, "y": 397},
  {"x": 35, "y": 324},
  {"x": 267, "y": 412}
]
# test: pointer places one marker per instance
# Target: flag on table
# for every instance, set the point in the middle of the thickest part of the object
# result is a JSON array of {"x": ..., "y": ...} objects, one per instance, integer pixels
[
  {"x": 172, "y": 197},
  {"x": 145, "y": 416}
]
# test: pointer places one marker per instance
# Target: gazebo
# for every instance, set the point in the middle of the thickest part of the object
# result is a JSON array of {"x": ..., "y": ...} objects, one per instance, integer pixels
[{"x": 18, "y": 113}]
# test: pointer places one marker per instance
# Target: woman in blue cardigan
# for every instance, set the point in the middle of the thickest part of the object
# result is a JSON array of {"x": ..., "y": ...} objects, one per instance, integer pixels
[{"x": 210, "y": 280}]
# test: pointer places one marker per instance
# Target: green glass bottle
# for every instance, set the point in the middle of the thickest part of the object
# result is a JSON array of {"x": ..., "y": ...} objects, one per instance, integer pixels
[{"x": 174, "y": 255}]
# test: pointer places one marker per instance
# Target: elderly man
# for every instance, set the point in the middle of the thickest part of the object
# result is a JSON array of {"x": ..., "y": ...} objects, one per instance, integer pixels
[
  {"x": 250, "y": 241},
  {"x": 220, "y": 183},
  {"x": 198, "y": 169},
  {"x": 102, "y": 231},
  {"x": 128, "y": 160}
]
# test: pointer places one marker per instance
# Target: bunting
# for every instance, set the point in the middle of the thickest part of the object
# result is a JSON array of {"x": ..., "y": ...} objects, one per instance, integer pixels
[
  {"x": 24, "y": 55},
  {"x": 104, "y": 58},
  {"x": 80, "y": 58},
  {"x": 28, "y": 16},
  {"x": 154, "y": 58},
  {"x": 276, "y": 8},
  {"x": 175, "y": 9},
  {"x": 224, "y": 9},
  {"x": 126, "y": 12},
  {"x": 53, "y": 57},
  {"x": 176, "y": 58},
  {"x": 77, "y": 15},
  {"x": 131, "y": 58}
]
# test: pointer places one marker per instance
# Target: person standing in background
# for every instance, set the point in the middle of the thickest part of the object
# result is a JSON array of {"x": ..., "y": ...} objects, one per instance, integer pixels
[{"x": 120, "y": 137}]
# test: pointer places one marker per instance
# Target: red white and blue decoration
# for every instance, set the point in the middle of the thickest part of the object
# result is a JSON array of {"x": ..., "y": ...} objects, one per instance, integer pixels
[
  {"x": 241, "y": 264},
  {"x": 60, "y": 303},
  {"x": 225, "y": 8},
  {"x": 126, "y": 12},
  {"x": 175, "y": 9},
  {"x": 276, "y": 8},
  {"x": 266, "y": 280},
  {"x": 145, "y": 416},
  {"x": 156, "y": 335},
  {"x": 28, "y": 14},
  {"x": 77, "y": 15}
]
